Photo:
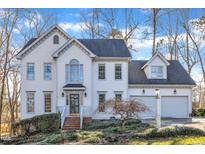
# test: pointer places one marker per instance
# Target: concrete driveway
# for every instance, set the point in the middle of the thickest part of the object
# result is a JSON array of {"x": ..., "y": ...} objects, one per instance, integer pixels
[{"x": 191, "y": 122}]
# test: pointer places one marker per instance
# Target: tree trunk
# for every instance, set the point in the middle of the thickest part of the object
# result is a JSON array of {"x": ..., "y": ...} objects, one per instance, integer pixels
[{"x": 154, "y": 30}]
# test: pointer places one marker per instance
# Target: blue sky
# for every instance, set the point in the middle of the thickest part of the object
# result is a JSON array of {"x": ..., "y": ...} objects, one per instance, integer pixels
[{"x": 70, "y": 21}]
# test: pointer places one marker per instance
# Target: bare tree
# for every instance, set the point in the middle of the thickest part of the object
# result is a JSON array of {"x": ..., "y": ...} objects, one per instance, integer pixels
[
  {"x": 105, "y": 23},
  {"x": 155, "y": 12},
  {"x": 35, "y": 23},
  {"x": 124, "y": 109},
  {"x": 29, "y": 23},
  {"x": 8, "y": 22}
]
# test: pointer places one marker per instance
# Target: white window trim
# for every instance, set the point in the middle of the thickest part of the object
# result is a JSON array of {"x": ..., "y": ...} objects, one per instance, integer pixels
[
  {"x": 120, "y": 72},
  {"x": 155, "y": 76},
  {"x": 47, "y": 92},
  {"x": 99, "y": 93},
  {"x": 99, "y": 72},
  {"x": 33, "y": 71},
  {"x": 68, "y": 80},
  {"x": 27, "y": 102},
  {"x": 44, "y": 71}
]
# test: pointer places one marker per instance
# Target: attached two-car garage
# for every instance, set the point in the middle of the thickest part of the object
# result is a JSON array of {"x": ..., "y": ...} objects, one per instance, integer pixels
[{"x": 171, "y": 106}]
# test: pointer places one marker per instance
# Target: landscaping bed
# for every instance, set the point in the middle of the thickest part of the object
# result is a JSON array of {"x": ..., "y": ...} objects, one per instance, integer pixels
[{"x": 111, "y": 132}]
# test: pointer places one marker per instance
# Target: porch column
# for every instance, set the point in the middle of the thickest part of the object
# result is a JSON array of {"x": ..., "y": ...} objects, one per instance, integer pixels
[{"x": 158, "y": 107}]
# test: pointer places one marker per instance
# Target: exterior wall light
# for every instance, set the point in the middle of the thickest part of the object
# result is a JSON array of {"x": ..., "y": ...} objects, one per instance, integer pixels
[
  {"x": 85, "y": 94},
  {"x": 143, "y": 91},
  {"x": 62, "y": 94},
  {"x": 157, "y": 92},
  {"x": 175, "y": 91}
]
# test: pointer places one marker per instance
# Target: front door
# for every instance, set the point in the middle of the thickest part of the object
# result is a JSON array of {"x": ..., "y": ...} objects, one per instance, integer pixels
[{"x": 74, "y": 104}]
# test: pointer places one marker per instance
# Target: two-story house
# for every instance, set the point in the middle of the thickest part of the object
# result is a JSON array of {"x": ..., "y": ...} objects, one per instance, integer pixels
[{"x": 62, "y": 73}]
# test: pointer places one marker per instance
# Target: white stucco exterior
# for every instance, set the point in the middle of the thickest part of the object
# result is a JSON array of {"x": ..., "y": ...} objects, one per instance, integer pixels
[{"x": 43, "y": 52}]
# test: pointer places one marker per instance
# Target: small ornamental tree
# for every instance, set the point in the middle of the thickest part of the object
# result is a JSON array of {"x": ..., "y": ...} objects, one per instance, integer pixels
[{"x": 125, "y": 109}]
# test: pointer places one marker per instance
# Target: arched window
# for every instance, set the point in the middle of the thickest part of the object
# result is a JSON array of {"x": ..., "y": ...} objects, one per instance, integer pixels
[
  {"x": 55, "y": 39},
  {"x": 74, "y": 71}
]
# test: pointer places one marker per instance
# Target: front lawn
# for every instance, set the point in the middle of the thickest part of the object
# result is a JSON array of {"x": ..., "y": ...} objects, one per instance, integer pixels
[
  {"x": 169, "y": 141},
  {"x": 111, "y": 132}
]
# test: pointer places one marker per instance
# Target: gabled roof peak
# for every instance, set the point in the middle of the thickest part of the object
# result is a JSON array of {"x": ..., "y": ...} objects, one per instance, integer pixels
[
  {"x": 156, "y": 54},
  {"x": 35, "y": 41}
]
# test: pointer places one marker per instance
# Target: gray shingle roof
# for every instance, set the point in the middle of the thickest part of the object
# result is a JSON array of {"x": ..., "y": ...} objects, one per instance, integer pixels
[
  {"x": 176, "y": 74},
  {"x": 101, "y": 47},
  {"x": 107, "y": 47},
  {"x": 28, "y": 43}
]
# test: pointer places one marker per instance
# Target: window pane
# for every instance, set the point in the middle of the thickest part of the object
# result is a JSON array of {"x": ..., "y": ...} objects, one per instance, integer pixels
[
  {"x": 56, "y": 39},
  {"x": 101, "y": 71},
  {"x": 47, "y": 71},
  {"x": 74, "y": 71},
  {"x": 101, "y": 102},
  {"x": 47, "y": 101},
  {"x": 67, "y": 73},
  {"x": 157, "y": 71},
  {"x": 81, "y": 72},
  {"x": 118, "y": 71},
  {"x": 30, "y": 101},
  {"x": 118, "y": 97},
  {"x": 30, "y": 71}
]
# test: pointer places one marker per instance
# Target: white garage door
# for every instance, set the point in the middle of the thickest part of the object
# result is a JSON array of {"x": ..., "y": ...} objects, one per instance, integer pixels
[
  {"x": 150, "y": 102},
  {"x": 175, "y": 107}
]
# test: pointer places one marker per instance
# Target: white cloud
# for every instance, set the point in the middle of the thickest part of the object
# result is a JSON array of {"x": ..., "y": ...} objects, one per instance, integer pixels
[{"x": 75, "y": 27}]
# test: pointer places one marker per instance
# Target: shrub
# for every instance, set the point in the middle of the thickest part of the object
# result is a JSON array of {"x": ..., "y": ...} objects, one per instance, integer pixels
[
  {"x": 198, "y": 112},
  {"x": 100, "y": 124},
  {"x": 93, "y": 140},
  {"x": 53, "y": 139},
  {"x": 103, "y": 124},
  {"x": 72, "y": 136},
  {"x": 201, "y": 112},
  {"x": 41, "y": 123},
  {"x": 174, "y": 132},
  {"x": 133, "y": 121}
]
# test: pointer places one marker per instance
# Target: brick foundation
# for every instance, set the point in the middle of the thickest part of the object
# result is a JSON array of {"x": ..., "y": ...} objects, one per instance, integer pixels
[{"x": 87, "y": 120}]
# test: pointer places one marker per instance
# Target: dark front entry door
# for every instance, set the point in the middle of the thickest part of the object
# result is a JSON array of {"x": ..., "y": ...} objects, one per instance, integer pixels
[{"x": 74, "y": 103}]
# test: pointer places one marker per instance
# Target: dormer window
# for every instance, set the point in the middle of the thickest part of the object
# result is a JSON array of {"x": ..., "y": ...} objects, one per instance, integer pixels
[
  {"x": 157, "y": 71},
  {"x": 55, "y": 39}
]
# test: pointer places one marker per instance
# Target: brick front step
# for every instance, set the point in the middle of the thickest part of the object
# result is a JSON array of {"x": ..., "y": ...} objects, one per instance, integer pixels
[{"x": 71, "y": 123}]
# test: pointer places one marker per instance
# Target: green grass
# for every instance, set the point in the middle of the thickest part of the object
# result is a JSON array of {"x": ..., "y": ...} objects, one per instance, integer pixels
[{"x": 169, "y": 141}]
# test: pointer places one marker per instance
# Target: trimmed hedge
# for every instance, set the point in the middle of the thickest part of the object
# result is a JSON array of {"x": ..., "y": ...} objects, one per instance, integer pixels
[
  {"x": 42, "y": 123},
  {"x": 174, "y": 132},
  {"x": 198, "y": 112},
  {"x": 103, "y": 124}
]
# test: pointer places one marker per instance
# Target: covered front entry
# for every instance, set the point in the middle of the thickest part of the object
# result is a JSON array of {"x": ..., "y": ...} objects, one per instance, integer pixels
[
  {"x": 74, "y": 104},
  {"x": 74, "y": 98}
]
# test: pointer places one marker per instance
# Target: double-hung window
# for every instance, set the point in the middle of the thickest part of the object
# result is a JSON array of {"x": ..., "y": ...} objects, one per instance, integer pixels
[
  {"x": 74, "y": 71},
  {"x": 101, "y": 99},
  {"x": 101, "y": 71},
  {"x": 30, "y": 71},
  {"x": 47, "y": 101},
  {"x": 118, "y": 97},
  {"x": 30, "y": 101},
  {"x": 118, "y": 72},
  {"x": 47, "y": 71},
  {"x": 156, "y": 71}
]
